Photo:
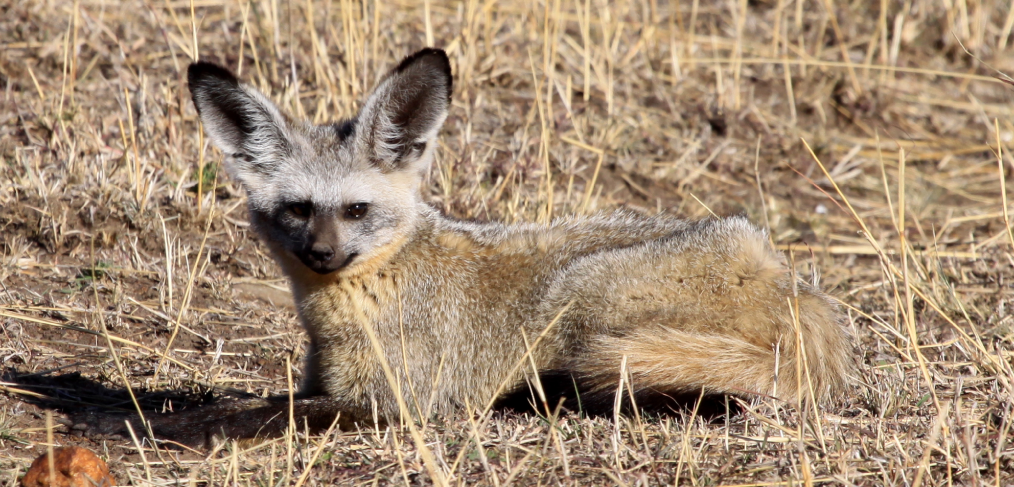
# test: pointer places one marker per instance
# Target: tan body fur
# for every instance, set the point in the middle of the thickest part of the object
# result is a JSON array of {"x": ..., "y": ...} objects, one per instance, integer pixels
[
  {"x": 691, "y": 305},
  {"x": 688, "y": 307}
]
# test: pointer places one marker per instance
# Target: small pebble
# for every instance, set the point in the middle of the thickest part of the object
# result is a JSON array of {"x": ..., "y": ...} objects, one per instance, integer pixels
[{"x": 73, "y": 466}]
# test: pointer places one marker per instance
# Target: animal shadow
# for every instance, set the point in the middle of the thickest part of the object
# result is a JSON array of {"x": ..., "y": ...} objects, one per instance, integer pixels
[
  {"x": 563, "y": 390},
  {"x": 86, "y": 407}
]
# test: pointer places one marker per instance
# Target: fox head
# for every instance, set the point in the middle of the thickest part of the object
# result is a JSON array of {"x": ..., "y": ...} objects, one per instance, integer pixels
[{"x": 329, "y": 196}]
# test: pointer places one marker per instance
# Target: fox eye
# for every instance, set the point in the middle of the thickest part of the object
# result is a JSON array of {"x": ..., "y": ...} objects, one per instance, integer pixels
[
  {"x": 301, "y": 210},
  {"x": 356, "y": 211}
]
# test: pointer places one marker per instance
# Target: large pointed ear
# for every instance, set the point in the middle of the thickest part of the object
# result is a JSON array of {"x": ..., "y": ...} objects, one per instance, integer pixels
[
  {"x": 241, "y": 121},
  {"x": 401, "y": 118}
]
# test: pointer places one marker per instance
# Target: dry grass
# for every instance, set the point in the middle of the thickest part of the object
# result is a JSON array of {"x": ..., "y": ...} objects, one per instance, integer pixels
[{"x": 118, "y": 235}]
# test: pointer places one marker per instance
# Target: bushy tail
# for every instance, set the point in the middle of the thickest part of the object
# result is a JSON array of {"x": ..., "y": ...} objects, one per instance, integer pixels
[
  {"x": 671, "y": 361},
  {"x": 713, "y": 308}
]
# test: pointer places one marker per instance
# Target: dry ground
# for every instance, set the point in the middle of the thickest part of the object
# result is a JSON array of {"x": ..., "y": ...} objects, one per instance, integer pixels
[{"x": 126, "y": 259}]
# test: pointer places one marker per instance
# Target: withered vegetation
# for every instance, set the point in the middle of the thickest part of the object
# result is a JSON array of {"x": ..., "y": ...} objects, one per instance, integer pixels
[{"x": 872, "y": 138}]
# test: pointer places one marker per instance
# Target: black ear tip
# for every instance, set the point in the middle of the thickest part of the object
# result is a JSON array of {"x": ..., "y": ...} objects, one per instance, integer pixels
[
  {"x": 431, "y": 59},
  {"x": 428, "y": 55},
  {"x": 202, "y": 71}
]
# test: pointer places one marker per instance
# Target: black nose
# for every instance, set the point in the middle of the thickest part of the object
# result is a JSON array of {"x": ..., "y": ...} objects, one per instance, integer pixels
[{"x": 321, "y": 252}]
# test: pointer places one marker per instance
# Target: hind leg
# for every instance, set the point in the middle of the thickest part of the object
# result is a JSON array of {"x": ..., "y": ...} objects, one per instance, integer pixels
[{"x": 710, "y": 308}]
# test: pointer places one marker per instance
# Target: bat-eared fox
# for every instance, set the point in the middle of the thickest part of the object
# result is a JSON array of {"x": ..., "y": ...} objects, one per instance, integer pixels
[{"x": 460, "y": 313}]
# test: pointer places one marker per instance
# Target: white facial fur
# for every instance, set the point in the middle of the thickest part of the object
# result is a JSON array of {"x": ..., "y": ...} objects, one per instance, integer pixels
[{"x": 304, "y": 180}]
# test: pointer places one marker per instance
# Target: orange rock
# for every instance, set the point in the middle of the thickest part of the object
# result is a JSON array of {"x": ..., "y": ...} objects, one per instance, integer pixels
[{"x": 73, "y": 466}]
